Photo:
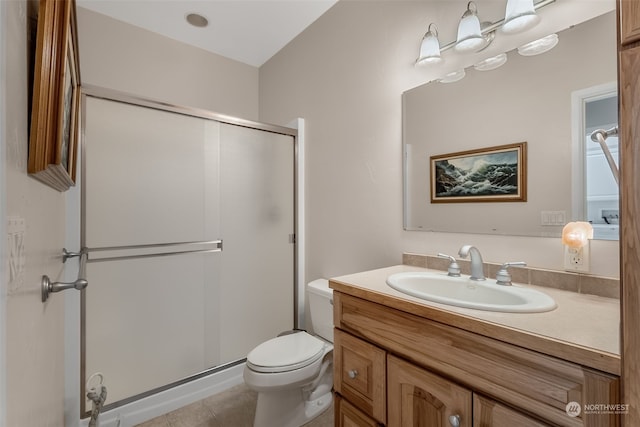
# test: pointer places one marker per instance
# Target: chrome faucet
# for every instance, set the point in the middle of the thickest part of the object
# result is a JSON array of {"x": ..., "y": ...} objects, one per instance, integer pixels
[{"x": 477, "y": 267}]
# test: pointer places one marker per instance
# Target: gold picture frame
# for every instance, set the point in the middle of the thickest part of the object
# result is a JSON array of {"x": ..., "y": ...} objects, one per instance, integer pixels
[
  {"x": 55, "y": 103},
  {"x": 493, "y": 174}
]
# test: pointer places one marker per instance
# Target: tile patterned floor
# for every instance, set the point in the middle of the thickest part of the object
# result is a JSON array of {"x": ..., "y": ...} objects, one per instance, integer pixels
[{"x": 232, "y": 408}]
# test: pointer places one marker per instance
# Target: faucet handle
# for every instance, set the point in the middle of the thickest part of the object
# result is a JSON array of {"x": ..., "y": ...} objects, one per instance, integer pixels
[
  {"x": 454, "y": 268},
  {"x": 503, "y": 277}
]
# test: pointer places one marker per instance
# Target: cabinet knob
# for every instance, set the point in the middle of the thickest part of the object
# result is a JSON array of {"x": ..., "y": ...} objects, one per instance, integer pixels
[
  {"x": 454, "y": 420},
  {"x": 352, "y": 373}
]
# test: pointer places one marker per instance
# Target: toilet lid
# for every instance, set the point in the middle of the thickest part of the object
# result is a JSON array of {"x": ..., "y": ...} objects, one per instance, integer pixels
[{"x": 286, "y": 353}]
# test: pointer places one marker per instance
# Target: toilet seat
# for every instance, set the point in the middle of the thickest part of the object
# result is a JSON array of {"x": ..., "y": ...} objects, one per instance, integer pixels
[{"x": 286, "y": 353}]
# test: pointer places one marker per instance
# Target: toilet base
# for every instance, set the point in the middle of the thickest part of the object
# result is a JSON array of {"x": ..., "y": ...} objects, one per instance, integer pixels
[
  {"x": 294, "y": 407},
  {"x": 288, "y": 408}
]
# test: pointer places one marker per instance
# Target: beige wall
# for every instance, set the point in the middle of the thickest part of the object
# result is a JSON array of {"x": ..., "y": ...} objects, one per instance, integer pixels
[
  {"x": 122, "y": 57},
  {"x": 34, "y": 331},
  {"x": 345, "y": 75}
]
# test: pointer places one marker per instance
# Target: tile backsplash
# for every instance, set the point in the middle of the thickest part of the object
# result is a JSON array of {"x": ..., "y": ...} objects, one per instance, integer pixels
[{"x": 574, "y": 282}]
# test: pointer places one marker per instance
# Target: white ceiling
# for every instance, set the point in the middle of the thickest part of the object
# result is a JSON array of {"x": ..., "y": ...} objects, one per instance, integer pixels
[{"x": 249, "y": 31}]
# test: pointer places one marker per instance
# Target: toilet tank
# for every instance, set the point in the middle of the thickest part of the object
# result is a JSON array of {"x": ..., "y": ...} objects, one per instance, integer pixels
[{"x": 321, "y": 308}]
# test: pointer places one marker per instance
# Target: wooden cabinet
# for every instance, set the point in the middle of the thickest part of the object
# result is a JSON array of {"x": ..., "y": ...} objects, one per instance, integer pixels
[
  {"x": 629, "y": 21},
  {"x": 404, "y": 370},
  {"x": 417, "y": 397}
]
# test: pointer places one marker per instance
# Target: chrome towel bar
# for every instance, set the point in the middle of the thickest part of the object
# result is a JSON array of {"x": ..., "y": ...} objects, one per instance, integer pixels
[
  {"x": 118, "y": 253},
  {"x": 48, "y": 287}
]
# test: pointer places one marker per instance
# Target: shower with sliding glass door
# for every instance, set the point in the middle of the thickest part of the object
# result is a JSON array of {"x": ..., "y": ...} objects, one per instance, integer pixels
[{"x": 188, "y": 219}]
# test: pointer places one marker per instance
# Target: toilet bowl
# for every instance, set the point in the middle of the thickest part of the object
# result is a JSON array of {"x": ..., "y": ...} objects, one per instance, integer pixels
[{"x": 293, "y": 373}]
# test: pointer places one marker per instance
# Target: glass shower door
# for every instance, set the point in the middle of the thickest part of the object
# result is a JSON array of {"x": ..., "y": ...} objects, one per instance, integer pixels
[
  {"x": 257, "y": 226},
  {"x": 188, "y": 224}
]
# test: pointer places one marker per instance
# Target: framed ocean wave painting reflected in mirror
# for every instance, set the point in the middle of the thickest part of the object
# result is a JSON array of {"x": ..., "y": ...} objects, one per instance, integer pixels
[{"x": 492, "y": 174}]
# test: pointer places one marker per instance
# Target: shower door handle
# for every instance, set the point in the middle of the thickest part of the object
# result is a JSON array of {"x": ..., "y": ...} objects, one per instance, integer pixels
[{"x": 51, "y": 287}]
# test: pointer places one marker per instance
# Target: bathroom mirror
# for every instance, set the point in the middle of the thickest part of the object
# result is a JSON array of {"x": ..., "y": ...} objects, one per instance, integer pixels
[{"x": 529, "y": 99}]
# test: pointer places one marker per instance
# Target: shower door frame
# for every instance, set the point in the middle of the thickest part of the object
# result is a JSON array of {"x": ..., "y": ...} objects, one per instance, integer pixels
[{"x": 117, "y": 96}]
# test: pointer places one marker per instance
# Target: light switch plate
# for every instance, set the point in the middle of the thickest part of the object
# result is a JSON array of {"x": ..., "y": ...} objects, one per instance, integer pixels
[
  {"x": 16, "y": 228},
  {"x": 553, "y": 217}
]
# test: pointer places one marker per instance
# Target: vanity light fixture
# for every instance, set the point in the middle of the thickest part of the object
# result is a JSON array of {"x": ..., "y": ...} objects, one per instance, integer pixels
[
  {"x": 470, "y": 38},
  {"x": 430, "y": 47},
  {"x": 539, "y": 46},
  {"x": 491, "y": 63},
  {"x": 519, "y": 16},
  {"x": 474, "y": 36}
]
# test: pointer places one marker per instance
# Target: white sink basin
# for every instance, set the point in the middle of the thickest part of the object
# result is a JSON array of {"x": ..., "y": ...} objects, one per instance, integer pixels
[{"x": 464, "y": 292}]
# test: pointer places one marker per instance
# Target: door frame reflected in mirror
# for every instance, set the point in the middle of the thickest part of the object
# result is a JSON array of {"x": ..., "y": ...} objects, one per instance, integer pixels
[{"x": 580, "y": 136}]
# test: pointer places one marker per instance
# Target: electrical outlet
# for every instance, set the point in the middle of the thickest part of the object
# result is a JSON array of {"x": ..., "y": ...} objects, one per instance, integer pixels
[{"x": 576, "y": 259}]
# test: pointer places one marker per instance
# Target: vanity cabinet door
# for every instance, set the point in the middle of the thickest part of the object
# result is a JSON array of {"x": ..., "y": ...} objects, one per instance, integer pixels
[
  {"x": 418, "y": 398},
  {"x": 347, "y": 415},
  {"x": 629, "y": 21},
  {"x": 359, "y": 374},
  {"x": 489, "y": 413}
]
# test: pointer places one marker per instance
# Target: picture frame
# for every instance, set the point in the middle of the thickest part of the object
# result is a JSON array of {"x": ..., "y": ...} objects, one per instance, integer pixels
[
  {"x": 56, "y": 96},
  {"x": 492, "y": 174}
]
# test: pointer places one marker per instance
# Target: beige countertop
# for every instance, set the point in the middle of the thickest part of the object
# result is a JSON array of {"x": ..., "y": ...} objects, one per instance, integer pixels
[{"x": 583, "y": 329}]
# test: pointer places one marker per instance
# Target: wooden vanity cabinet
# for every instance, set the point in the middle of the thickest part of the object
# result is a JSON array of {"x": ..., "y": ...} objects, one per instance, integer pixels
[{"x": 401, "y": 370}]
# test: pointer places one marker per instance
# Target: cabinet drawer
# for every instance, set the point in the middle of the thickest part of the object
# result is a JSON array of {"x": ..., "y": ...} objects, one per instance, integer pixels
[
  {"x": 359, "y": 374},
  {"x": 522, "y": 378},
  {"x": 347, "y": 415}
]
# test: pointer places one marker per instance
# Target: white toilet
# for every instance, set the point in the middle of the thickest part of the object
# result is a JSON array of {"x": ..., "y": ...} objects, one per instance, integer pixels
[{"x": 293, "y": 373}]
